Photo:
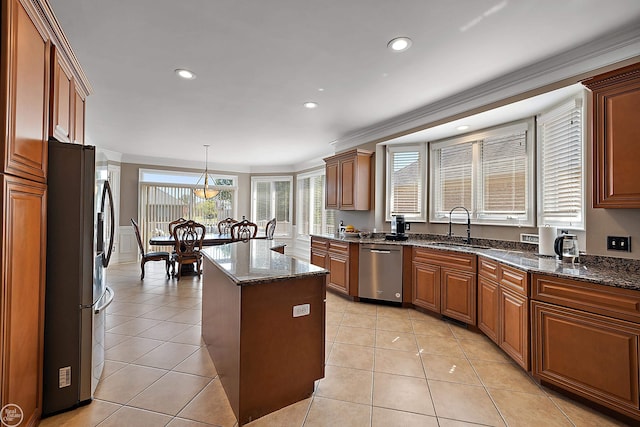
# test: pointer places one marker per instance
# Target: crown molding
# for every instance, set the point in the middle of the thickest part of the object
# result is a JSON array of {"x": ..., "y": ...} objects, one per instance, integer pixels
[{"x": 568, "y": 67}]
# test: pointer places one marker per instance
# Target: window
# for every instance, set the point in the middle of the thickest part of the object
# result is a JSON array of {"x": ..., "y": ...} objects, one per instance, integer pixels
[
  {"x": 271, "y": 197},
  {"x": 560, "y": 165},
  {"x": 313, "y": 218},
  {"x": 168, "y": 195},
  {"x": 405, "y": 182},
  {"x": 489, "y": 173}
]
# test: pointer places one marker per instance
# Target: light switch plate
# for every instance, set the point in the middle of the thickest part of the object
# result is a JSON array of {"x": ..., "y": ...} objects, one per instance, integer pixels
[{"x": 619, "y": 243}]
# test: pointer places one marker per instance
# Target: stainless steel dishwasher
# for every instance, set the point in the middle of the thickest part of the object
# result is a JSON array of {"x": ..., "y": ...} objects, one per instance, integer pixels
[{"x": 380, "y": 274}]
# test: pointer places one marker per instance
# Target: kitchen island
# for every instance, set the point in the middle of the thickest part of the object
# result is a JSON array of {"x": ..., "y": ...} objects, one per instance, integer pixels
[{"x": 263, "y": 321}]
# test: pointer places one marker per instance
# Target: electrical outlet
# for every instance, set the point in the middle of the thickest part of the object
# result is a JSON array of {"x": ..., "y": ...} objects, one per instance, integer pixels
[
  {"x": 301, "y": 310},
  {"x": 407, "y": 226},
  {"x": 619, "y": 243}
]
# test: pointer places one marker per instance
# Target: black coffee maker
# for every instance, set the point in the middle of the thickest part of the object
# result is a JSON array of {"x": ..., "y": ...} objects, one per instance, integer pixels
[{"x": 397, "y": 228}]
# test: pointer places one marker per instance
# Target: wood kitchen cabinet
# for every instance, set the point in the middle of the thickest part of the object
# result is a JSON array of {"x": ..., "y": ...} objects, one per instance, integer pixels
[
  {"x": 445, "y": 282},
  {"x": 616, "y": 132},
  {"x": 25, "y": 87},
  {"x": 22, "y": 269},
  {"x": 503, "y": 308},
  {"x": 341, "y": 259},
  {"x": 67, "y": 102},
  {"x": 586, "y": 339},
  {"x": 348, "y": 180}
]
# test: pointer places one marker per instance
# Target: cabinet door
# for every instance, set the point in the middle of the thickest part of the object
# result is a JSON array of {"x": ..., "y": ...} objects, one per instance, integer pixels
[
  {"x": 338, "y": 273},
  {"x": 22, "y": 270},
  {"x": 62, "y": 99},
  {"x": 331, "y": 185},
  {"x": 616, "y": 102},
  {"x": 347, "y": 181},
  {"x": 593, "y": 356},
  {"x": 78, "y": 127},
  {"x": 514, "y": 330},
  {"x": 426, "y": 286},
  {"x": 459, "y": 295},
  {"x": 25, "y": 112},
  {"x": 488, "y": 308}
]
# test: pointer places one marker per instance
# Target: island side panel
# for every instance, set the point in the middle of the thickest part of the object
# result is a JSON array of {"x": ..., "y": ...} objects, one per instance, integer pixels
[
  {"x": 281, "y": 355},
  {"x": 221, "y": 328}
]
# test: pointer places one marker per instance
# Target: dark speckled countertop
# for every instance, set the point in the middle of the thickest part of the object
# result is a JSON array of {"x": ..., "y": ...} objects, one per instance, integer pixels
[
  {"x": 253, "y": 262},
  {"x": 618, "y": 272}
]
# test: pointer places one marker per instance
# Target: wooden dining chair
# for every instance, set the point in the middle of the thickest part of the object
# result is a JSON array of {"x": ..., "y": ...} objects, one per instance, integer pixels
[
  {"x": 224, "y": 226},
  {"x": 175, "y": 222},
  {"x": 188, "y": 237},
  {"x": 270, "y": 229},
  {"x": 149, "y": 256},
  {"x": 244, "y": 230}
]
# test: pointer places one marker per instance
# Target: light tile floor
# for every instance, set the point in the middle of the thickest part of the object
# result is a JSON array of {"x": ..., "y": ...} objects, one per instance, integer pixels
[{"x": 386, "y": 366}]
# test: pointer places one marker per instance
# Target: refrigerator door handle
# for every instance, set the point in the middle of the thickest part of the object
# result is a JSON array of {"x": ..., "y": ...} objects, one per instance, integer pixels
[
  {"x": 108, "y": 302},
  {"x": 106, "y": 191}
]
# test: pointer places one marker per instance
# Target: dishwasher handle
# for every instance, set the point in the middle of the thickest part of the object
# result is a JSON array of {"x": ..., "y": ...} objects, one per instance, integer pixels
[{"x": 379, "y": 251}]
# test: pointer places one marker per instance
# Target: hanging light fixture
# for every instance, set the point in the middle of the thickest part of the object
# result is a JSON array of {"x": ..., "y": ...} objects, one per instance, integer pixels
[{"x": 202, "y": 190}]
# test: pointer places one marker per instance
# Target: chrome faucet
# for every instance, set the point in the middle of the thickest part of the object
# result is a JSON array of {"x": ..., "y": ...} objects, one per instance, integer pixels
[{"x": 468, "y": 239}]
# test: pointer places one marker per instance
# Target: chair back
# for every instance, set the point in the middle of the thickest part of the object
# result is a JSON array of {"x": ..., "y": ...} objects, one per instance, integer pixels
[
  {"x": 270, "y": 228},
  {"x": 138, "y": 238},
  {"x": 174, "y": 223},
  {"x": 188, "y": 236},
  {"x": 244, "y": 230},
  {"x": 224, "y": 226}
]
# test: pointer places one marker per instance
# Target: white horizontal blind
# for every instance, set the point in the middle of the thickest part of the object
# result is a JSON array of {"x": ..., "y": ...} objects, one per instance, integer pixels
[
  {"x": 561, "y": 158},
  {"x": 503, "y": 162},
  {"x": 272, "y": 198},
  {"x": 312, "y": 217},
  {"x": 405, "y": 183},
  {"x": 454, "y": 177}
]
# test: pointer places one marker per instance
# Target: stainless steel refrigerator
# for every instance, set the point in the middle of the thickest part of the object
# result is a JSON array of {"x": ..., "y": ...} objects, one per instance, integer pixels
[{"x": 76, "y": 294}]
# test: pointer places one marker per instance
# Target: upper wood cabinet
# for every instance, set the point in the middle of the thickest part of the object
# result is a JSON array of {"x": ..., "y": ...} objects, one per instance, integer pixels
[
  {"x": 25, "y": 88},
  {"x": 348, "y": 180},
  {"x": 67, "y": 102},
  {"x": 616, "y": 132}
]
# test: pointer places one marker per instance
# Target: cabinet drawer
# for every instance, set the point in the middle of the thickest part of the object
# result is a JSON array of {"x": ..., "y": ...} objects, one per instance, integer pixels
[
  {"x": 339, "y": 247},
  {"x": 514, "y": 279},
  {"x": 618, "y": 303},
  {"x": 489, "y": 268},
  {"x": 319, "y": 244},
  {"x": 445, "y": 258}
]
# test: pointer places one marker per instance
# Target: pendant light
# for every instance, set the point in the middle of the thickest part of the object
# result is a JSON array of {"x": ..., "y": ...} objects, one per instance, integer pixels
[{"x": 202, "y": 190}]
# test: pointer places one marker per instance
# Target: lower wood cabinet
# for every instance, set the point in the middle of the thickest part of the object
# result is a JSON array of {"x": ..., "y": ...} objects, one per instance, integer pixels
[
  {"x": 341, "y": 259},
  {"x": 445, "y": 282},
  {"x": 587, "y": 354},
  {"x": 503, "y": 308},
  {"x": 22, "y": 273},
  {"x": 586, "y": 338}
]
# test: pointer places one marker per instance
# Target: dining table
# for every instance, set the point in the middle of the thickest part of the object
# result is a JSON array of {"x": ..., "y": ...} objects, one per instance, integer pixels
[{"x": 210, "y": 239}]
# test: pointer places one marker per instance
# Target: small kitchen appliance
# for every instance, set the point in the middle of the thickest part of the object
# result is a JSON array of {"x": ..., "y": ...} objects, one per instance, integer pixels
[
  {"x": 397, "y": 228},
  {"x": 566, "y": 248}
]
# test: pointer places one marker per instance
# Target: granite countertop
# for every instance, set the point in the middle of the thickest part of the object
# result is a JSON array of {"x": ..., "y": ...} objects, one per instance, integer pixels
[
  {"x": 617, "y": 272},
  {"x": 253, "y": 262}
]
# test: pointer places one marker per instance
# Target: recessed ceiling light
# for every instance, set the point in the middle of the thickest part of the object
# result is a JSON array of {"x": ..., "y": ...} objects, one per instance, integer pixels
[
  {"x": 310, "y": 105},
  {"x": 185, "y": 74},
  {"x": 399, "y": 44},
  {"x": 462, "y": 127},
  {"x": 320, "y": 89}
]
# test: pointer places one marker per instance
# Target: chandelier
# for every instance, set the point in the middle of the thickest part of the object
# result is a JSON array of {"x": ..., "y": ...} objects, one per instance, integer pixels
[{"x": 202, "y": 190}]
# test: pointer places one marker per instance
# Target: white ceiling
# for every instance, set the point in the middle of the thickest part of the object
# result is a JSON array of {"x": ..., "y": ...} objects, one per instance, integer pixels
[{"x": 258, "y": 61}]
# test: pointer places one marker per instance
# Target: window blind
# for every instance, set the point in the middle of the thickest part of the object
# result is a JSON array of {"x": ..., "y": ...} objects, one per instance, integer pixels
[
  {"x": 406, "y": 183},
  {"x": 312, "y": 217},
  {"x": 272, "y": 198},
  {"x": 561, "y": 157},
  {"x": 454, "y": 177},
  {"x": 504, "y": 175}
]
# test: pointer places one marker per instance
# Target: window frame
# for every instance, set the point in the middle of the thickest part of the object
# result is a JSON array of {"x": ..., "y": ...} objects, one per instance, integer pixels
[
  {"x": 391, "y": 149},
  {"x": 299, "y": 200},
  {"x": 571, "y": 104},
  {"x": 273, "y": 179},
  {"x": 475, "y": 139}
]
